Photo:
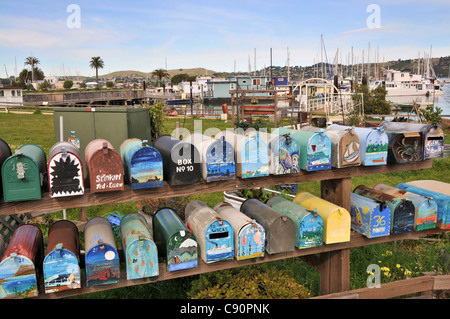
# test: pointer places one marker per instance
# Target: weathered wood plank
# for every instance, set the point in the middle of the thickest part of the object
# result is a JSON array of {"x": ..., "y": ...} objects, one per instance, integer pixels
[{"x": 128, "y": 195}]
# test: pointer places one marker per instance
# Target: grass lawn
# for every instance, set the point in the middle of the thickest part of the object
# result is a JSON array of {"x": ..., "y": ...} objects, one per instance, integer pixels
[{"x": 399, "y": 259}]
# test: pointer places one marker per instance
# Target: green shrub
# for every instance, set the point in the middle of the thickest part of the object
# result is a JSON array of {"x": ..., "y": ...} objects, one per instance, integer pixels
[{"x": 252, "y": 282}]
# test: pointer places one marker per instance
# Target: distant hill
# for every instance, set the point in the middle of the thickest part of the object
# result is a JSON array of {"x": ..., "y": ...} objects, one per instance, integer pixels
[{"x": 139, "y": 74}]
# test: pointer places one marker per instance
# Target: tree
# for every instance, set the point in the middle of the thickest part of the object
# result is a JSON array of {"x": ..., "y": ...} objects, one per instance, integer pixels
[
  {"x": 374, "y": 102},
  {"x": 109, "y": 84},
  {"x": 68, "y": 84},
  {"x": 96, "y": 63},
  {"x": 26, "y": 75},
  {"x": 178, "y": 78},
  {"x": 160, "y": 74},
  {"x": 32, "y": 61}
]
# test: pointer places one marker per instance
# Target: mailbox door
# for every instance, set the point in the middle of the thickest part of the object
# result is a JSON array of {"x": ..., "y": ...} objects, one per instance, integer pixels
[
  {"x": 146, "y": 169},
  {"x": 405, "y": 147},
  {"x": 182, "y": 251},
  {"x": 369, "y": 218},
  {"x": 65, "y": 175},
  {"x": 61, "y": 271},
  {"x": 102, "y": 265},
  {"x": 219, "y": 241},
  {"x": 310, "y": 231},
  {"x": 15, "y": 284},
  {"x": 285, "y": 155},
  {"x": 253, "y": 156},
  {"x": 218, "y": 160},
  {"x": 434, "y": 143},
  {"x": 141, "y": 259},
  {"x": 376, "y": 148},
  {"x": 318, "y": 154},
  {"x": 250, "y": 241},
  {"x": 106, "y": 171}
]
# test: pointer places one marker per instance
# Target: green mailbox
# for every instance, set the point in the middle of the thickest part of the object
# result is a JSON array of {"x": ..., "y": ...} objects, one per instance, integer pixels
[{"x": 81, "y": 125}]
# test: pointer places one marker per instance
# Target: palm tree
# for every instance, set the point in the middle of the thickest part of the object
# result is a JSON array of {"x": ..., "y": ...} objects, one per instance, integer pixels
[
  {"x": 160, "y": 74},
  {"x": 32, "y": 61},
  {"x": 95, "y": 63}
]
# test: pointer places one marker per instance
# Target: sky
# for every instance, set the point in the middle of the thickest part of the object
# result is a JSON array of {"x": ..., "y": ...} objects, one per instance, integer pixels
[{"x": 218, "y": 35}]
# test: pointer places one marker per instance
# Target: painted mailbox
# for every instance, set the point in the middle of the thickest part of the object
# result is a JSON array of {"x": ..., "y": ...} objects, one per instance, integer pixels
[
  {"x": 425, "y": 207},
  {"x": 217, "y": 157},
  {"x": 431, "y": 185},
  {"x": 315, "y": 148},
  {"x": 62, "y": 260},
  {"x": 142, "y": 164},
  {"x": 5, "y": 152},
  {"x": 404, "y": 146},
  {"x": 249, "y": 236},
  {"x": 373, "y": 144},
  {"x": 24, "y": 174},
  {"x": 21, "y": 263},
  {"x": 284, "y": 154},
  {"x": 402, "y": 210},
  {"x": 177, "y": 242},
  {"x": 442, "y": 201},
  {"x": 140, "y": 252},
  {"x": 65, "y": 171},
  {"x": 309, "y": 224},
  {"x": 336, "y": 219},
  {"x": 215, "y": 236},
  {"x": 102, "y": 258},
  {"x": 104, "y": 167},
  {"x": 181, "y": 164},
  {"x": 345, "y": 147},
  {"x": 280, "y": 229},
  {"x": 252, "y": 156},
  {"x": 369, "y": 217},
  {"x": 432, "y": 136}
]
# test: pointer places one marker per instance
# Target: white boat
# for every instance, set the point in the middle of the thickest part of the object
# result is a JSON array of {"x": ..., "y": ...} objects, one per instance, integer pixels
[{"x": 406, "y": 84}]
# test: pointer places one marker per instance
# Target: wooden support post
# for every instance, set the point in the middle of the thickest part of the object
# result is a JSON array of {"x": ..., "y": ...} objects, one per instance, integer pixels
[{"x": 334, "y": 266}]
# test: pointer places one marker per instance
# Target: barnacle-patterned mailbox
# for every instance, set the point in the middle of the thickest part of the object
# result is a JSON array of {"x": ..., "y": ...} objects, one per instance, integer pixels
[
  {"x": 432, "y": 136},
  {"x": 217, "y": 157},
  {"x": 62, "y": 260},
  {"x": 140, "y": 252},
  {"x": 315, "y": 148},
  {"x": 249, "y": 236},
  {"x": 280, "y": 229},
  {"x": 20, "y": 266},
  {"x": 373, "y": 144},
  {"x": 5, "y": 152},
  {"x": 369, "y": 217},
  {"x": 65, "y": 170},
  {"x": 174, "y": 240},
  {"x": 24, "y": 174},
  {"x": 102, "y": 258},
  {"x": 181, "y": 164},
  {"x": 215, "y": 236},
  {"x": 442, "y": 201},
  {"x": 104, "y": 166},
  {"x": 404, "y": 145},
  {"x": 309, "y": 224},
  {"x": 336, "y": 219},
  {"x": 143, "y": 166},
  {"x": 402, "y": 210},
  {"x": 425, "y": 207}
]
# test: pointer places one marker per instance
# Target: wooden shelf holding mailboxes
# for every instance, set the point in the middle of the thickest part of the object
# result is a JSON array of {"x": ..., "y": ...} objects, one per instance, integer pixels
[{"x": 332, "y": 262}]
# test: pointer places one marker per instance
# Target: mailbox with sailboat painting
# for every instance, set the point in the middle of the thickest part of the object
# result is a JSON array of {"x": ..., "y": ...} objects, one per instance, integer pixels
[
  {"x": 344, "y": 147},
  {"x": 373, "y": 144}
]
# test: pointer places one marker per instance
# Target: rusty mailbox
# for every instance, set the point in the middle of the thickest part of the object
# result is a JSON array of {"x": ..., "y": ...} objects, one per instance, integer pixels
[
  {"x": 143, "y": 166},
  {"x": 280, "y": 229},
  {"x": 101, "y": 258},
  {"x": 20, "y": 267},
  {"x": 369, "y": 217},
  {"x": 24, "y": 174},
  {"x": 442, "y": 201},
  {"x": 432, "y": 136},
  {"x": 216, "y": 156},
  {"x": 309, "y": 224},
  {"x": 5, "y": 152},
  {"x": 65, "y": 171},
  {"x": 214, "y": 235},
  {"x": 404, "y": 145},
  {"x": 402, "y": 210},
  {"x": 249, "y": 235},
  {"x": 175, "y": 240},
  {"x": 373, "y": 144},
  {"x": 425, "y": 207},
  {"x": 140, "y": 252},
  {"x": 104, "y": 167},
  {"x": 181, "y": 164},
  {"x": 336, "y": 219},
  {"x": 62, "y": 260}
]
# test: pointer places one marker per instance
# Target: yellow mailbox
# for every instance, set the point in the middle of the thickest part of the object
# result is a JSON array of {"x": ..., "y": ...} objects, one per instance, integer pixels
[{"x": 336, "y": 220}]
